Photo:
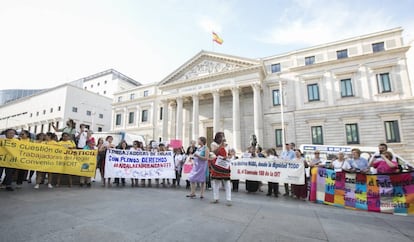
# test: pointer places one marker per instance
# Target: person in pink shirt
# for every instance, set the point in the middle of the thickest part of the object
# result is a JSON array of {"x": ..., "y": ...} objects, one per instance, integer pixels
[{"x": 384, "y": 163}]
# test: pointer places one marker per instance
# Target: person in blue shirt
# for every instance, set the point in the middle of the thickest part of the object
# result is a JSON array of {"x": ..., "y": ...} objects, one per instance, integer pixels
[
  {"x": 287, "y": 154},
  {"x": 358, "y": 163}
]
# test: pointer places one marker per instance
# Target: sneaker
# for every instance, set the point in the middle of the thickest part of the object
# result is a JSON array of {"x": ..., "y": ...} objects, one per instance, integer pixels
[
  {"x": 2, "y": 186},
  {"x": 36, "y": 186},
  {"x": 49, "y": 186},
  {"x": 229, "y": 204}
]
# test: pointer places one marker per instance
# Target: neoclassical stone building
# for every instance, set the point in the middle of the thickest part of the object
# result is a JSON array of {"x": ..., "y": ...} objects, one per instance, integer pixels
[{"x": 351, "y": 92}]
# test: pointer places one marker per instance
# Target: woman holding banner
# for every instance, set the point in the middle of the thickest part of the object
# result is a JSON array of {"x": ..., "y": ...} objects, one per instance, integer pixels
[
  {"x": 300, "y": 191},
  {"x": 68, "y": 144},
  {"x": 122, "y": 146},
  {"x": 220, "y": 170},
  {"x": 198, "y": 173}
]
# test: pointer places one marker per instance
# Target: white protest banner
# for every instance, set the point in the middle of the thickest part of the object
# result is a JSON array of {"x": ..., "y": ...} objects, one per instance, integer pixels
[
  {"x": 268, "y": 170},
  {"x": 139, "y": 164}
]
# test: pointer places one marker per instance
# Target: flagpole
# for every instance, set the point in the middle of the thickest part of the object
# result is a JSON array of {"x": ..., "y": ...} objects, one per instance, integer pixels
[{"x": 282, "y": 114}]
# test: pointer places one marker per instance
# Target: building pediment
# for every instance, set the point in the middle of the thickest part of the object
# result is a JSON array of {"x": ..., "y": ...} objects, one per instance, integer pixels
[{"x": 206, "y": 64}]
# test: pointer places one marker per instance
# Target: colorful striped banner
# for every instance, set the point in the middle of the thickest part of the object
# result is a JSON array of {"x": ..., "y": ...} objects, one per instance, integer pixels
[{"x": 385, "y": 193}]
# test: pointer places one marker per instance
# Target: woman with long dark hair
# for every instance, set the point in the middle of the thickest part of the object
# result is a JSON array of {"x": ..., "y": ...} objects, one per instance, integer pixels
[{"x": 220, "y": 169}]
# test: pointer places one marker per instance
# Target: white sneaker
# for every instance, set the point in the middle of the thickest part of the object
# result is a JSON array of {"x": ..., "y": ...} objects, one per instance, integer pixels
[
  {"x": 49, "y": 185},
  {"x": 36, "y": 186}
]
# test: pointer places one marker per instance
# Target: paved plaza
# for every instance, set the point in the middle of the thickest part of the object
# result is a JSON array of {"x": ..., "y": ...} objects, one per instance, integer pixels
[{"x": 165, "y": 214}]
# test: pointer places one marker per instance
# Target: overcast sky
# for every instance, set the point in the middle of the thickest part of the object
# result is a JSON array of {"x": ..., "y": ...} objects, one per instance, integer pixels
[{"x": 47, "y": 43}]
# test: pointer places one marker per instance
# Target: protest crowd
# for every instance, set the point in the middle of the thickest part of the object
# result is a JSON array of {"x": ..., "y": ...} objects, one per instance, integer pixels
[{"x": 210, "y": 164}]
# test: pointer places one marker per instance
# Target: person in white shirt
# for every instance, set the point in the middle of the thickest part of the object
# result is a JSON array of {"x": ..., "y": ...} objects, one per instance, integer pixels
[
  {"x": 287, "y": 154},
  {"x": 341, "y": 164},
  {"x": 81, "y": 136}
]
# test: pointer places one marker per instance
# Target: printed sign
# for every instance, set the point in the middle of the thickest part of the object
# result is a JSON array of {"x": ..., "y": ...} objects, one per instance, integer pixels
[
  {"x": 139, "y": 164},
  {"x": 268, "y": 170},
  {"x": 47, "y": 158}
]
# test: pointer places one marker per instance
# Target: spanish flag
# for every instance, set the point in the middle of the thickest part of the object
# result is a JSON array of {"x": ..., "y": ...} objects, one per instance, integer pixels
[{"x": 217, "y": 39}]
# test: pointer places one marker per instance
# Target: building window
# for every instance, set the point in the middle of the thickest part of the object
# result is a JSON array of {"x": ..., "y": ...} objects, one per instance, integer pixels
[
  {"x": 105, "y": 82},
  {"x": 279, "y": 138},
  {"x": 42, "y": 127},
  {"x": 91, "y": 85},
  {"x": 31, "y": 114},
  {"x": 384, "y": 83},
  {"x": 313, "y": 92},
  {"x": 37, "y": 113},
  {"x": 276, "y": 97},
  {"x": 352, "y": 134},
  {"x": 59, "y": 108},
  {"x": 392, "y": 132},
  {"x": 44, "y": 112},
  {"x": 161, "y": 112},
  {"x": 51, "y": 110},
  {"x": 35, "y": 129},
  {"x": 120, "y": 99},
  {"x": 146, "y": 93},
  {"x": 309, "y": 60},
  {"x": 132, "y": 96},
  {"x": 144, "y": 116},
  {"x": 317, "y": 135},
  {"x": 100, "y": 115},
  {"x": 88, "y": 113},
  {"x": 346, "y": 88},
  {"x": 74, "y": 109},
  {"x": 57, "y": 124},
  {"x": 378, "y": 47},
  {"x": 86, "y": 88},
  {"x": 341, "y": 54},
  {"x": 131, "y": 117},
  {"x": 275, "y": 67},
  {"x": 49, "y": 127},
  {"x": 118, "y": 120},
  {"x": 99, "y": 84},
  {"x": 104, "y": 92},
  {"x": 99, "y": 129}
]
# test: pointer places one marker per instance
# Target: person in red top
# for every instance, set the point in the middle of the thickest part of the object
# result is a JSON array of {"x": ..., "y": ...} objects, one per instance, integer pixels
[{"x": 220, "y": 169}]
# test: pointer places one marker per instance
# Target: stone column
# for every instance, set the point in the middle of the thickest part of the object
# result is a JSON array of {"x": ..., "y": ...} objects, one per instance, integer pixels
[
  {"x": 165, "y": 120},
  {"x": 257, "y": 112},
  {"x": 155, "y": 132},
  {"x": 179, "y": 120},
  {"x": 216, "y": 111},
  {"x": 236, "y": 119},
  {"x": 173, "y": 119},
  {"x": 195, "y": 131}
]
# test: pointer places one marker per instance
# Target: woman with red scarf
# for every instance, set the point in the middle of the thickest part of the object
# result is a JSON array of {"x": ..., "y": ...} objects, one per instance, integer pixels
[{"x": 220, "y": 169}]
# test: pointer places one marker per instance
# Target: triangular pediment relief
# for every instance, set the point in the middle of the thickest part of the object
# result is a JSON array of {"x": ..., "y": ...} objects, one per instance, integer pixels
[{"x": 207, "y": 64}]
